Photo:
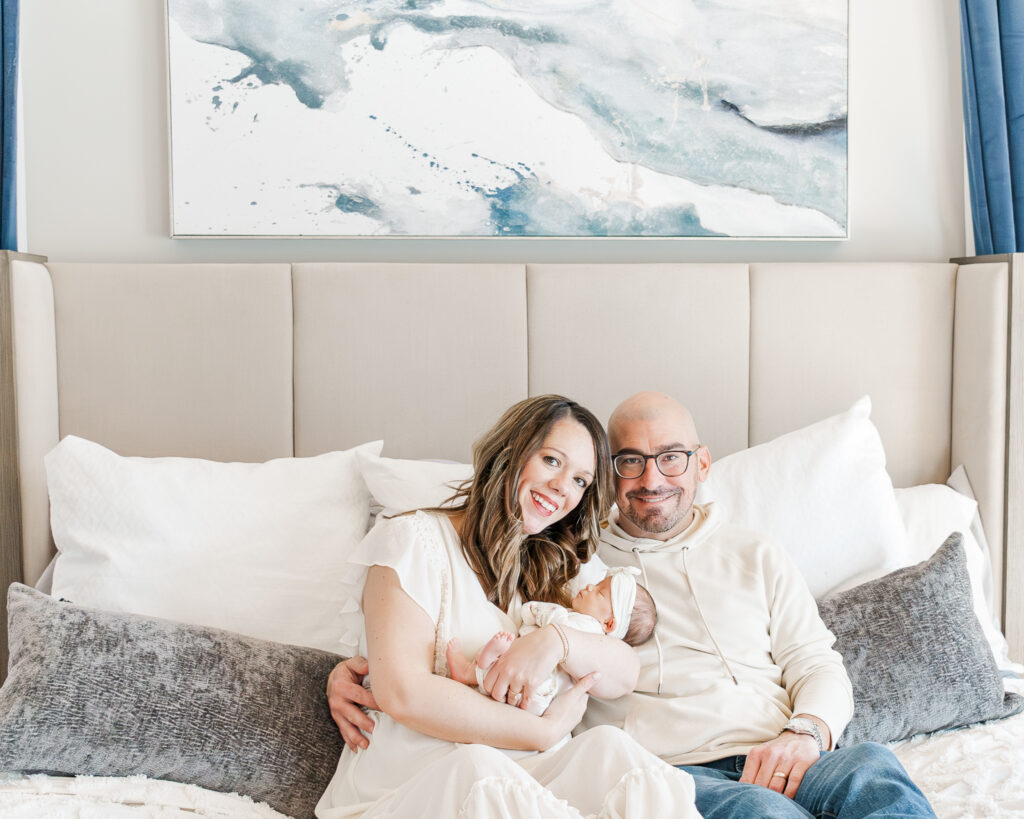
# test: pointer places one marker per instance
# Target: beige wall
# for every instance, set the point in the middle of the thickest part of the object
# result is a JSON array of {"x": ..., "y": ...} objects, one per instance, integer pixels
[{"x": 96, "y": 155}]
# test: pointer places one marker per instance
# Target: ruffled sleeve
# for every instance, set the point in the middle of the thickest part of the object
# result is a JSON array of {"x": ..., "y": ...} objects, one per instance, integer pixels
[{"x": 412, "y": 546}]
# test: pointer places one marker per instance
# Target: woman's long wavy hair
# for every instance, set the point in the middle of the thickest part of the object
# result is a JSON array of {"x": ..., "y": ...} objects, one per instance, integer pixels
[{"x": 538, "y": 566}]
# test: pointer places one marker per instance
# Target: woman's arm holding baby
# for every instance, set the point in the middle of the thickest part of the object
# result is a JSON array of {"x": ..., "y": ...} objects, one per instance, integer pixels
[
  {"x": 400, "y": 643},
  {"x": 531, "y": 658}
]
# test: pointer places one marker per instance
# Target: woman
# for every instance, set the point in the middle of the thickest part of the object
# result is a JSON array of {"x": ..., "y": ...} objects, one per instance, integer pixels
[{"x": 519, "y": 530}]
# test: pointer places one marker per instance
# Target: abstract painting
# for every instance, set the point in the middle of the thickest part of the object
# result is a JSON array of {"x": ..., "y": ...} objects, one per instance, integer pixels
[{"x": 560, "y": 118}]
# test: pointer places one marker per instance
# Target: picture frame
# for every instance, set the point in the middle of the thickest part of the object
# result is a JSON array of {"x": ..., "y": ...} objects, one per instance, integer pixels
[{"x": 497, "y": 118}]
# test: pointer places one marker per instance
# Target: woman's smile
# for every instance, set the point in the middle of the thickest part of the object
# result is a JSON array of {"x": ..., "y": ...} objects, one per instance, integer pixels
[{"x": 555, "y": 477}]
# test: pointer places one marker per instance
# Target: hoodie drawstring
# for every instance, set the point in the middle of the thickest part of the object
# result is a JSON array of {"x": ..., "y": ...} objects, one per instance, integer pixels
[{"x": 700, "y": 611}]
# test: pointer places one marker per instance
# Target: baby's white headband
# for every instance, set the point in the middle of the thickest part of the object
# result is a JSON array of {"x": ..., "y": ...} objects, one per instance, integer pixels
[{"x": 623, "y": 597}]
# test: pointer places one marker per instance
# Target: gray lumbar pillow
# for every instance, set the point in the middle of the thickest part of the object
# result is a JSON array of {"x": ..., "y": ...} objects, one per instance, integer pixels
[
  {"x": 915, "y": 651},
  {"x": 105, "y": 694}
]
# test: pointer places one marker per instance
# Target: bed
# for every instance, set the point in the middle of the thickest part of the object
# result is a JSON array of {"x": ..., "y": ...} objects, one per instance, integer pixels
[{"x": 206, "y": 442}]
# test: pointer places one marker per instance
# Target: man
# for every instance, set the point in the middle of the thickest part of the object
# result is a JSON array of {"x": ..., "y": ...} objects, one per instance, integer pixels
[{"x": 740, "y": 686}]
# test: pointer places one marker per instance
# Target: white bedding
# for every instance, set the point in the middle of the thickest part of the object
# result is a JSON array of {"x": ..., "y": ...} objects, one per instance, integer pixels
[
  {"x": 103, "y": 797},
  {"x": 968, "y": 773}
]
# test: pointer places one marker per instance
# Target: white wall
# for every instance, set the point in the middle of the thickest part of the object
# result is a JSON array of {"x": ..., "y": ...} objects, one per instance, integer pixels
[{"x": 96, "y": 152}]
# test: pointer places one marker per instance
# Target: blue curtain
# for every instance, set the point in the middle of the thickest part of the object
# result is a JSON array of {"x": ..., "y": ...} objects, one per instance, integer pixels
[
  {"x": 9, "y": 126},
  {"x": 992, "y": 50}
]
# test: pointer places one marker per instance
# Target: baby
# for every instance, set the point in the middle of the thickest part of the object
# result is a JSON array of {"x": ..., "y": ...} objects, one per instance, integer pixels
[{"x": 618, "y": 606}]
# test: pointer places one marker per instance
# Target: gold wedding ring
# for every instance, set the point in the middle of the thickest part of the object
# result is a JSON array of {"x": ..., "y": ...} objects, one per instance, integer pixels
[{"x": 780, "y": 773}]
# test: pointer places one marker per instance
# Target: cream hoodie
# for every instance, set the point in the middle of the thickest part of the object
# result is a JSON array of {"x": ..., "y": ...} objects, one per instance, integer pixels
[{"x": 739, "y": 645}]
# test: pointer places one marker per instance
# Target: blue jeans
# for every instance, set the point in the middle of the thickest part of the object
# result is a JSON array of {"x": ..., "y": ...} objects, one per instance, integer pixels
[{"x": 859, "y": 780}]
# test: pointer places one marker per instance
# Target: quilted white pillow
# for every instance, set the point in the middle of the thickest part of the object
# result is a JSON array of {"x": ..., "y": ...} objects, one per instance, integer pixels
[
  {"x": 822, "y": 493},
  {"x": 254, "y": 548}
]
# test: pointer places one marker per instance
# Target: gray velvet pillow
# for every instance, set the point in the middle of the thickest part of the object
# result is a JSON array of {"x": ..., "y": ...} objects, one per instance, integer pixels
[
  {"x": 915, "y": 651},
  {"x": 105, "y": 694}
]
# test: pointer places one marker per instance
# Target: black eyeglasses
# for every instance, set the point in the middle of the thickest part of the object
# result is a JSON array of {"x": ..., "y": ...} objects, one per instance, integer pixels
[{"x": 671, "y": 464}]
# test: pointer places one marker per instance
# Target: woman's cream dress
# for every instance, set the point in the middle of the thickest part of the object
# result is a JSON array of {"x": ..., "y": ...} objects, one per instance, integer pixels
[{"x": 408, "y": 774}]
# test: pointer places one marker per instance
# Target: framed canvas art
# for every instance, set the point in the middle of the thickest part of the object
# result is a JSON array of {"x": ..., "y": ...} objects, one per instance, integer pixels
[{"x": 553, "y": 118}]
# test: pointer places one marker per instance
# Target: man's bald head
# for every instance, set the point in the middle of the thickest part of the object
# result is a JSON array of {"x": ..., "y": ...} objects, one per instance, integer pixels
[
  {"x": 653, "y": 505},
  {"x": 651, "y": 407}
]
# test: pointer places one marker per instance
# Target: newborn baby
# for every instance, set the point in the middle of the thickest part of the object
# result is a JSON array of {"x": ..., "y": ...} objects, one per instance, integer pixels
[{"x": 618, "y": 606}]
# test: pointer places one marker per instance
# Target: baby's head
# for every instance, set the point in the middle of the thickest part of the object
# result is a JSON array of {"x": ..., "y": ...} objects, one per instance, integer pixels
[{"x": 623, "y": 607}]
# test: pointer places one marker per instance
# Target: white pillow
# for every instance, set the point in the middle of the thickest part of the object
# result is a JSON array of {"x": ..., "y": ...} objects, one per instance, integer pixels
[
  {"x": 400, "y": 485},
  {"x": 254, "y": 548},
  {"x": 931, "y": 512},
  {"x": 822, "y": 493},
  {"x": 959, "y": 481}
]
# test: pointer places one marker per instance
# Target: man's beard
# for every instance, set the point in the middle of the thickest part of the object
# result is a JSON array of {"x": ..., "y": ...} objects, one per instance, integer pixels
[{"x": 656, "y": 521}]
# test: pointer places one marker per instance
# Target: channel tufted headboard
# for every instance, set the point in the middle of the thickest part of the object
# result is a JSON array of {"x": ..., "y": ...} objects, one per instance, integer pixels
[{"x": 256, "y": 361}]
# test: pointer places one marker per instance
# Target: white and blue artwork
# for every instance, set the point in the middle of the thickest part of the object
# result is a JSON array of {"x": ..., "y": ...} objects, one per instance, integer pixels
[{"x": 509, "y": 118}]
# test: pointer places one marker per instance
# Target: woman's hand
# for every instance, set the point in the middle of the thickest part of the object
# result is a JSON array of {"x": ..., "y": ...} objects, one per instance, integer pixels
[
  {"x": 566, "y": 710},
  {"x": 531, "y": 659},
  {"x": 344, "y": 695},
  {"x": 525, "y": 666}
]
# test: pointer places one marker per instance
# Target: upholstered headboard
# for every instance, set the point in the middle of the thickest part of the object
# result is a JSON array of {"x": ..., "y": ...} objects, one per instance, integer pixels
[{"x": 255, "y": 361}]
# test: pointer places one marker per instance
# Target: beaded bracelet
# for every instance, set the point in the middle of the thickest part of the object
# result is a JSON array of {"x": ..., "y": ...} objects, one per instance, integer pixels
[{"x": 565, "y": 642}]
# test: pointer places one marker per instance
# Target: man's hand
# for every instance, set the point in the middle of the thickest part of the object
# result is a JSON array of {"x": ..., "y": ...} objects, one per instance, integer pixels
[
  {"x": 524, "y": 667},
  {"x": 781, "y": 763},
  {"x": 345, "y": 695}
]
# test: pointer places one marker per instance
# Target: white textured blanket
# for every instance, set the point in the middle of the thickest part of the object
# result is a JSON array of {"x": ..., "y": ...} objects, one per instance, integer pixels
[{"x": 135, "y": 797}]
